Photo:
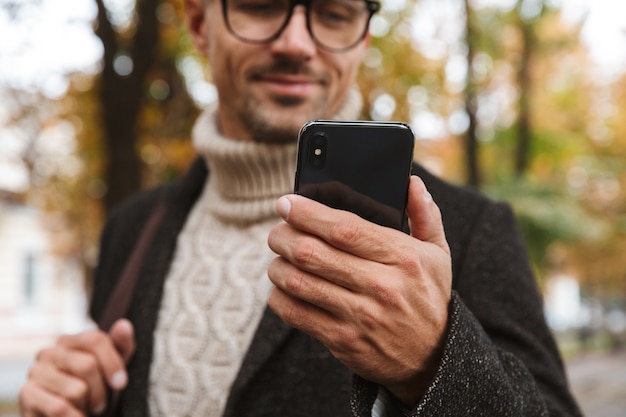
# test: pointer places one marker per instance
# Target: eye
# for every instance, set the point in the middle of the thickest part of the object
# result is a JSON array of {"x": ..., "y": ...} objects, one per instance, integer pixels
[
  {"x": 336, "y": 13},
  {"x": 259, "y": 7}
]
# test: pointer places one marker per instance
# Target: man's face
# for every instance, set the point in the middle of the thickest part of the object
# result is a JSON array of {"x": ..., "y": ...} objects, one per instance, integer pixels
[{"x": 268, "y": 91}]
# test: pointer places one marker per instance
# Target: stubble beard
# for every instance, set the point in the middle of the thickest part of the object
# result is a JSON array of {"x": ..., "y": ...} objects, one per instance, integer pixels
[
  {"x": 283, "y": 125},
  {"x": 281, "y": 120}
]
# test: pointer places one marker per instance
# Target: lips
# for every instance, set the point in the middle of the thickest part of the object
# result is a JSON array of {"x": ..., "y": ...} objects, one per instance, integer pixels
[
  {"x": 288, "y": 84},
  {"x": 287, "y": 78}
]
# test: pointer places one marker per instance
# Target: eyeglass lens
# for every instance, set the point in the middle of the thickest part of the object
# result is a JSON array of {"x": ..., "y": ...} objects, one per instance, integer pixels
[{"x": 334, "y": 24}]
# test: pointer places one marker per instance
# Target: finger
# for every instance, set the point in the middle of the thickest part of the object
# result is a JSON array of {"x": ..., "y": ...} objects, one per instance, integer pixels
[
  {"x": 314, "y": 255},
  {"x": 340, "y": 336},
  {"x": 341, "y": 229},
  {"x": 123, "y": 334},
  {"x": 65, "y": 385},
  {"x": 424, "y": 215},
  {"x": 101, "y": 346},
  {"x": 74, "y": 375},
  {"x": 310, "y": 288},
  {"x": 35, "y": 400},
  {"x": 300, "y": 315}
]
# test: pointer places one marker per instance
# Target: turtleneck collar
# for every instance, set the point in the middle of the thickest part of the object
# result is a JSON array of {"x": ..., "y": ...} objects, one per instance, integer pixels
[{"x": 246, "y": 178}]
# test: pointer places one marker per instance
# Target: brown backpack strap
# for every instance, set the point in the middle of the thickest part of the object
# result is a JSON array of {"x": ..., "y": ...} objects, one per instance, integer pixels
[{"x": 119, "y": 301}]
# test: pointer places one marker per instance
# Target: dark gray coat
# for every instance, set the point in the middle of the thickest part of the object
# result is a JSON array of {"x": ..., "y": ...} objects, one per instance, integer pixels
[{"x": 499, "y": 360}]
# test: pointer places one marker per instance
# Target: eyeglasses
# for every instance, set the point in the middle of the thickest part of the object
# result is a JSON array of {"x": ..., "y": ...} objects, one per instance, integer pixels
[{"x": 334, "y": 25}]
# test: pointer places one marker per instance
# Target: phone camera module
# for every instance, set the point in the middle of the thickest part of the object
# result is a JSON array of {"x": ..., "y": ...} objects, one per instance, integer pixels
[{"x": 317, "y": 151}]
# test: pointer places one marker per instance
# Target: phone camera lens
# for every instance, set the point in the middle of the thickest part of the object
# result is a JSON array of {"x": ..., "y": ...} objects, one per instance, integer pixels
[{"x": 317, "y": 150}]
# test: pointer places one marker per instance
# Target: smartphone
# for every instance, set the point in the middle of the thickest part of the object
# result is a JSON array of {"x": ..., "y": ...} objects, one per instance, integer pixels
[{"x": 360, "y": 166}]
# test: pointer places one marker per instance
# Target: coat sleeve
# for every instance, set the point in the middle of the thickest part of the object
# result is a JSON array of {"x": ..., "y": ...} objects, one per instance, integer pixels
[{"x": 499, "y": 358}]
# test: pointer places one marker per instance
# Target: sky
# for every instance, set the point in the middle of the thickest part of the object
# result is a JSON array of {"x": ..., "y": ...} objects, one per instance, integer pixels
[{"x": 56, "y": 37}]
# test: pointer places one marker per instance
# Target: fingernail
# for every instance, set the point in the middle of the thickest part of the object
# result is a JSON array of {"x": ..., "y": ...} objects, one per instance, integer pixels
[
  {"x": 427, "y": 196},
  {"x": 100, "y": 409},
  {"x": 283, "y": 207},
  {"x": 119, "y": 380}
]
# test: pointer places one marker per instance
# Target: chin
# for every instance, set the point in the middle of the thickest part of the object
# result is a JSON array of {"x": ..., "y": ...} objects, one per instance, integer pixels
[
  {"x": 272, "y": 127},
  {"x": 280, "y": 119},
  {"x": 290, "y": 118}
]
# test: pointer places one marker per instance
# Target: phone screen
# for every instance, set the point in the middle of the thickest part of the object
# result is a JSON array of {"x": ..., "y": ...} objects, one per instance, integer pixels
[{"x": 359, "y": 166}]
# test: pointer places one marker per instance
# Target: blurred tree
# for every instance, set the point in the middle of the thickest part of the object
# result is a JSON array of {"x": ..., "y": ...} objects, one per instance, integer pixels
[
  {"x": 525, "y": 21},
  {"x": 121, "y": 129},
  {"x": 600, "y": 179},
  {"x": 474, "y": 177},
  {"x": 22, "y": 114},
  {"x": 142, "y": 92},
  {"x": 529, "y": 109},
  {"x": 127, "y": 59},
  {"x": 391, "y": 67}
]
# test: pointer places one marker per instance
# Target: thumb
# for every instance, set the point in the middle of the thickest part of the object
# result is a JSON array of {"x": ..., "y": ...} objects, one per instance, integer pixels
[
  {"x": 424, "y": 215},
  {"x": 123, "y": 335}
]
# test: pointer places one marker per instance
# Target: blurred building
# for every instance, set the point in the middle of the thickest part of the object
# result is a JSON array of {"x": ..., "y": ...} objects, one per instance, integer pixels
[{"x": 41, "y": 295}]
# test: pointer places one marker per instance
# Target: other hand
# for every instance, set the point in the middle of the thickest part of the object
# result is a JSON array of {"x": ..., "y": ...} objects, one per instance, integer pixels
[{"x": 71, "y": 378}]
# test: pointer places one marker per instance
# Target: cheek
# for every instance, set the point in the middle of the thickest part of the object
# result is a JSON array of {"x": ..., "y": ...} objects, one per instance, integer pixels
[
  {"x": 346, "y": 73},
  {"x": 225, "y": 66},
  {"x": 347, "y": 65}
]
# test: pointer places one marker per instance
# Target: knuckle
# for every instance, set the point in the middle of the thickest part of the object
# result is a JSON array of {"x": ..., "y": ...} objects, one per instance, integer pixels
[
  {"x": 339, "y": 340},
  {"x": 60, "y": 407},
  {"x": 95, "y": 338},
  {"x": 64, "y": 340},
  {"x": 384, "y": 291},
  {"x": 306, "y": 251},
  {"x": 292, "y": 316},
  {"x": 369, "y": 319},
  {"x": 344, "y": 232},
  {"x": 344, "y": 342},
  {"x": 85, "y": 365},
  {"x": 392, "y": 295},
  {"x": 77, "y": 392},
  {"x": 295, "y": 282},
  {"x": 44, "y": 355},
  {"x": 411, "y": 263}
]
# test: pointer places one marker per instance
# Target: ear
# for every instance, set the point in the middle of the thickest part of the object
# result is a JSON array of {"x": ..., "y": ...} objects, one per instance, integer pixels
[{"x": 195, "y": 12}]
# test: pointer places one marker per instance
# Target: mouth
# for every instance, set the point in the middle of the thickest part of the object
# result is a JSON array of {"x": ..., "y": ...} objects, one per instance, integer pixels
[
  {"x": 289, "y": 80},
  {"x": 287, "y": 84}
]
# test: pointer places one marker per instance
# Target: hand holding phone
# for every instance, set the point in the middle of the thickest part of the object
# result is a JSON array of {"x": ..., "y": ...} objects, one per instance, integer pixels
[{"x": 376, "y": 298}]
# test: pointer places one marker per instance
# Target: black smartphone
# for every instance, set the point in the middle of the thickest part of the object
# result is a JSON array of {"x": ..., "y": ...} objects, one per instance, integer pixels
[{"x": 360, "y": 166}]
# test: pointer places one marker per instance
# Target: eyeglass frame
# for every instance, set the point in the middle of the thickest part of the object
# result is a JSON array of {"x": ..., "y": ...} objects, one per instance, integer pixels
[{"x": 372, "y": 7}]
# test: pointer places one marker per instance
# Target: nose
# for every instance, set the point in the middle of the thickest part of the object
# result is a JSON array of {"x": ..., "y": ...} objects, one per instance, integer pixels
[{"x": 295, "y": 39}]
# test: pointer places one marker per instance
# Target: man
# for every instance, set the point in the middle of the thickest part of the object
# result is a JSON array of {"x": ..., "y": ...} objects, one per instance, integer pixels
[{"x": 361, "y": 320}]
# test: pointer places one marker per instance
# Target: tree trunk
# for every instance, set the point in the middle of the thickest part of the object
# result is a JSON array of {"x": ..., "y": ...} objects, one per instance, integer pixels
[
  {"x": 121, "y": 98},
  {"x": 522, "y": 152},
  {"x": 471, "y": 137}
]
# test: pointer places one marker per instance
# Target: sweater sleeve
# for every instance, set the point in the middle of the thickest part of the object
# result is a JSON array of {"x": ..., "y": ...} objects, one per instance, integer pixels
[{"x": 499, "y": 357}]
